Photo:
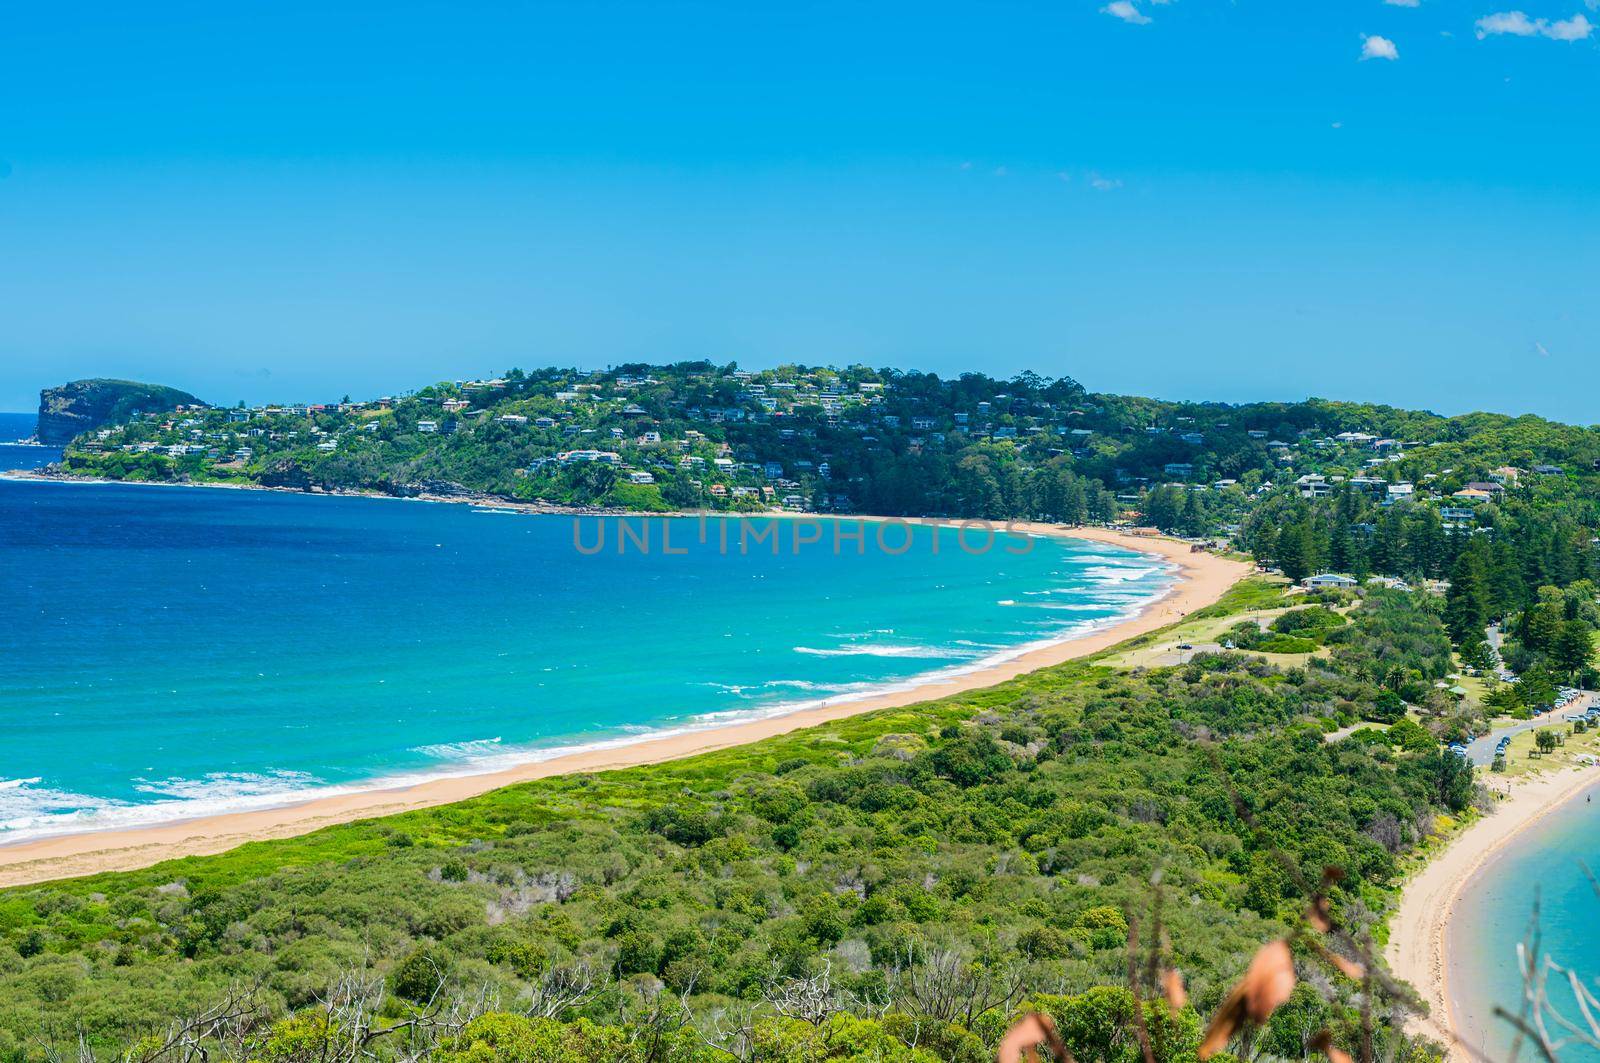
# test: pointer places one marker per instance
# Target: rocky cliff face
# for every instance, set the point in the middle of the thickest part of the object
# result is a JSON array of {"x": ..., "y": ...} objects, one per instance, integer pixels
[{"x": 83, "y": 405}]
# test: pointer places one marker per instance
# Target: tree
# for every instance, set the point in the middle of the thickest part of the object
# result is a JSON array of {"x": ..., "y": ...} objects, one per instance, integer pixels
[
  {"x": 1583, "y": 602},
  {"x": 1296, "y": 551},
  {"x": 1535, "y": 688},
  {"x": 1573, "y": 648},
  {"x": 1466, "y": 610},
  {"x": 1193, "y": 522},
  {"x": 1541, "y": 623},
  {"x": 1412, "y": 737},
  {"x": 1264, "y": 543},
  {"x": 1476, "y": 654},
  {"x": 1502, "y": 699},
  {"x": 417, "y": 977},
  {"x": 1163, "y": 508},
  {"x": 1452, "y": 780},
  {"x": 1387, "y": 707},
  {"x": 1293, "y": 1025}
]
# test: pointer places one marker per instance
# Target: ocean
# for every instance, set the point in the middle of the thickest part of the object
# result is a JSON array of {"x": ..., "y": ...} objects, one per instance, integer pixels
[
  {"x": 15, "y": 427},
  {"x": 1544, "y": 866},
  {"x": 170, "y": 652}
]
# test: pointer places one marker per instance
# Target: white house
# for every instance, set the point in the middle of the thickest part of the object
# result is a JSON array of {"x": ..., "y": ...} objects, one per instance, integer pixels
[
  {"x": 1314, "y": 485},
  {"x": 1328, "y": 579}
]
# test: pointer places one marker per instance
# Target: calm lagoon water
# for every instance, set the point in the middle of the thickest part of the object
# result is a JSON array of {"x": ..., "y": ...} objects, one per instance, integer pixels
[
  {"x": 170, "y": 652},
  {"x": 1544, "y": 865}
]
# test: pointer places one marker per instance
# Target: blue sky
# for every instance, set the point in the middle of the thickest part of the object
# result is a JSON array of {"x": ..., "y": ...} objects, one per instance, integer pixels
[{"x": 1191, "y": 199}]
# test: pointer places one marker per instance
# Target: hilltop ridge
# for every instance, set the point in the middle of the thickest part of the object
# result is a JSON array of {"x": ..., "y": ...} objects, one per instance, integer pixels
[
  {"x": 694, "y": 435},
  {"x": 67, "y": 411}
]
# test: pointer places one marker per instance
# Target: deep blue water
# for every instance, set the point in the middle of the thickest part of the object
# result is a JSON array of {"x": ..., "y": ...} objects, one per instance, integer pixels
[
  {"x": 1544, "y": 866},
  {"x": 19, "y": 426},
  {"x": 169, "y": 652}
]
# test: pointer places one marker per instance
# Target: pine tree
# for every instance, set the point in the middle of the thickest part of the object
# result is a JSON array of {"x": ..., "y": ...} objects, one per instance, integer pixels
[
  {"x": 1296, "y": 552},
  {"x": 1574, "y": 647},
  {"x": 1194, "y": 518},
  {"x": 1466, "y": 610},
  {"x": 1541, "y": 624}
]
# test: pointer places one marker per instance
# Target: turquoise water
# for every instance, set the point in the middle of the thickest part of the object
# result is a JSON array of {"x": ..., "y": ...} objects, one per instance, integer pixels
[
  {"x": 170, "y": 652},
  {"x": 1544, "y": 865}
]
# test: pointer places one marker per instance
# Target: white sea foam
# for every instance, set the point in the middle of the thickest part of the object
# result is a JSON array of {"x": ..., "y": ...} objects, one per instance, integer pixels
[
  {"x": 1114, "y": 573},
  {"x": 470, "y": 749},
  {"x": 870, "y": 649},
  {"x": 737, "y": 689},
  {"x": 227, "y": 785},
  {"x": 31, "y": 810},
  {"x": 1071, "y": 607}
]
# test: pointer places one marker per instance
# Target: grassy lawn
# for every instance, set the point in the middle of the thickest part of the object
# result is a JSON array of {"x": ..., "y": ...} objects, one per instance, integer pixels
[
  {"x": 1259, "y": 598},
  {"x": 1524, "y": 761}
]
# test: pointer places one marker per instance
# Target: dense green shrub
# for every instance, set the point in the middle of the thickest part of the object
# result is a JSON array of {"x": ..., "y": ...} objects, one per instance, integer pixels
[{"x": 879, "y": 845}]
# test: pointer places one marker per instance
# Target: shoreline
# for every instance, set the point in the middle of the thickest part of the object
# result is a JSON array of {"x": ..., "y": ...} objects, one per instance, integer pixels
[
  {"x": 465, "y": 497},
  {"x": 1202, "y": 578},
  {"x": 1419, "y": 943}
]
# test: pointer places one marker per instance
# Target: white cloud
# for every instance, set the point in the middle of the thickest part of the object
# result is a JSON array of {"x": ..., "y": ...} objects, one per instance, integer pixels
[
  {"x": 1513, "y": 22},
  {"x": 1103, "y": 184},
  {"x": 1518, "y": 24},
  {"x": 1403, "y": 3},
  {"x": 1576, "y": 28},
  {"x": 1125, "y": 10},
  {"x": 1376, "y": 47}
]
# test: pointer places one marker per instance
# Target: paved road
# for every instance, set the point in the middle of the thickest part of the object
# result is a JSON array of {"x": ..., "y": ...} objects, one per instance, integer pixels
[
  {"x": 1481, "y": 750},
  {"x": 1496, "y": 639}
]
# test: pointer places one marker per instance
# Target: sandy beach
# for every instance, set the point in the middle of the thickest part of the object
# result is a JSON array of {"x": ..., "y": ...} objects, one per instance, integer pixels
[
  {"x": 1419, "y": 942},
  {"x": 1204, "y": 577}
]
